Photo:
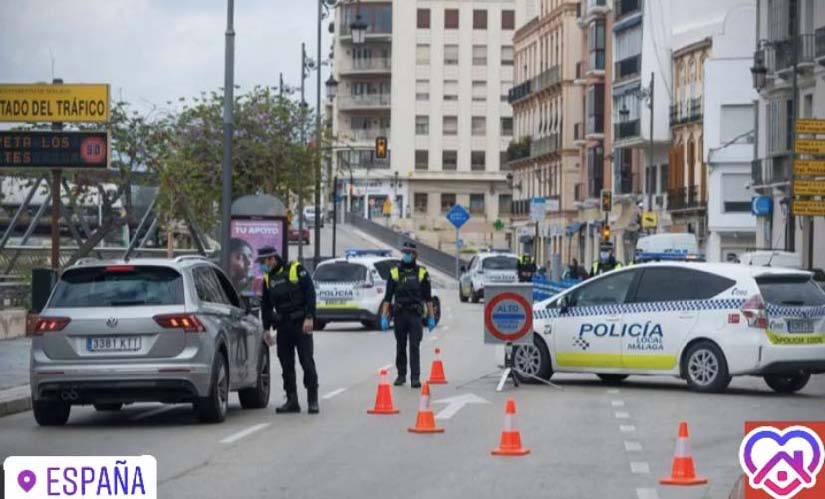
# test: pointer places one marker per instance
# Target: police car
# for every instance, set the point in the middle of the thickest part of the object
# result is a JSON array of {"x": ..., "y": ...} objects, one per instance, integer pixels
[
  {"x": 487, "y": 267},
  {"x": 703, "y": 322}
]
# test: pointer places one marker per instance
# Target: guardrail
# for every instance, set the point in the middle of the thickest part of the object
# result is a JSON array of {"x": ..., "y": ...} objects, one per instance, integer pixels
[{"x": 544, "y": 288}]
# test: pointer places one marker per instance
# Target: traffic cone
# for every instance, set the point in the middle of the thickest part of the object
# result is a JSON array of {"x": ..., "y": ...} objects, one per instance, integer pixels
[
  {"x": 383, "y": 399},
  {"x": 425, "y": 421},
  {"x": 511, "y": 436},
  {"x": 437, "y": 371},
  {"x": 683, "y": 472}
]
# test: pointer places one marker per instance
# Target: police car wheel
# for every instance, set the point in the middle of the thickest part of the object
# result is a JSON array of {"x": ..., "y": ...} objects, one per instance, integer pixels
[
  {"x": 706, "y": 369},
  {"x": 461, "y": 295},
  {"x": 612, "y": 379},
  {"x": 532, "y": 360},
  {"x": 787, "y": 383}
]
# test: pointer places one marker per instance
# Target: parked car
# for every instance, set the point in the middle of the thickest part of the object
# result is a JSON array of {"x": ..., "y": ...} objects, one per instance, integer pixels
[
  {"x": 298, "y": 236},
  {"x": 309, "y": 216},
  {"x": 487, "y": 267}
]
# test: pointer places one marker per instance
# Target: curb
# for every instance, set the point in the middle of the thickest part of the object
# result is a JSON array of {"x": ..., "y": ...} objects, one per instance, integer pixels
[{"x": 15, "y": 400}]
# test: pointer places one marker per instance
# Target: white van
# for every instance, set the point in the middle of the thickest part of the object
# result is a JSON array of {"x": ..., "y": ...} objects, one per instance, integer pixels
[{"x": 670, "y": 243}]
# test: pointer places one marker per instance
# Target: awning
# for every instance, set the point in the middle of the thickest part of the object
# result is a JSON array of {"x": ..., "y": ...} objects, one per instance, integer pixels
[{"x": 574, "y": 227}]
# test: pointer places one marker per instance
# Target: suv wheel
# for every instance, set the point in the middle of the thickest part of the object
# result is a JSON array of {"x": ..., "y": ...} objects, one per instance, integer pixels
[
  {"x": 787, "y": 383},
  {"x": 212, "y": 409},
  {"x": 476, "y": 297},
  {"x": 533, "y": 360},
  {"x": 705, "y": 368},
  {"x": 461, "y": 296},
  {"x": 48, "y": 413},
  {"x": 114, "y": 407},
  {"x": 257, "y": 397},
  {"x": 612, "y": 379}
]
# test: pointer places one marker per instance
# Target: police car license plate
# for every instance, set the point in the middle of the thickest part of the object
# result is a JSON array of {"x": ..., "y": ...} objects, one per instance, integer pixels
[
  {"x": 335, "y": 302},
  {"x": 800, "y": 326},
  {"x": 113, "y": 344}
]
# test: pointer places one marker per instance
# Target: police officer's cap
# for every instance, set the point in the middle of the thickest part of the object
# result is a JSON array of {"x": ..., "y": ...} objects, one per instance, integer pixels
[
  {"x": 409, "y": 247},
  {"x": 267, "y": 251}
]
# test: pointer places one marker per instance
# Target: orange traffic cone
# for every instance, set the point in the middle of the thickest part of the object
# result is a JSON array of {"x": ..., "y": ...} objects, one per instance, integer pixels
[
  {"x": 683, "y": 472},
  {"x": 511, "y": 436},
  {"x": 383, "y": 400},
  {"x": 425, "y": 422},
  {"x": 437, "y": 371}
]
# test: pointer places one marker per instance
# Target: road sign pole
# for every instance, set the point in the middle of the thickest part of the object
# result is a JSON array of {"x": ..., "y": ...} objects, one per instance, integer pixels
[
  {"x": 457, "y": 248},
  {"x": 56, "y": 181}
]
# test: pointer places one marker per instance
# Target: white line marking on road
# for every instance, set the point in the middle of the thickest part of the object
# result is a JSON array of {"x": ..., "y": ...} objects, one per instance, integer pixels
[
  {"x": 613, "y": 391},
  {"x": 617, "y": 403},
  {"x": 627, "y": 428},
  {"x": 333, "y": 393},
  {"x": 431, "y": 339},
  {"x": 455, "y": 404},
  {"x": 153, "y": 412},
  {"x": 243, "y": 433},
  {"x": 632, "y": 446},
  {"x": 640, "y": 468},
  {"x": 622, "y": 415},
  {"x": 647, "y": 494}
]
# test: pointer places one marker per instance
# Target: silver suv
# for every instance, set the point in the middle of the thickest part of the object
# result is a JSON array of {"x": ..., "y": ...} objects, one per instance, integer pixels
[{"x": 147, "y": 330}]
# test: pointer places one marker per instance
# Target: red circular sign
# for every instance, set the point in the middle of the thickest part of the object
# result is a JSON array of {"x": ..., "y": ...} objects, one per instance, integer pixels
[
  {"x": 93, "y": 150},
  {"x": 525, "y": 305}
]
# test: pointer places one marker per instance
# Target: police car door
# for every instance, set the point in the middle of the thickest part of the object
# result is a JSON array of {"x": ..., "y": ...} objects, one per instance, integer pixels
[{"x": 587, "y": 332}]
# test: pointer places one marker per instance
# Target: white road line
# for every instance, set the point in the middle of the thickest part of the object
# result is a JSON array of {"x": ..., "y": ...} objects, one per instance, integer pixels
[
  {"x": 617, "y": 403},
  {"x": 627, "y": 428},
  {"x": 639, "y": 468},
  {"x": 632, "y": 446},
  {"x": 333, "y": 393},
  {"x": 153, "y": 412},
  {"x": 622, "y": 415},
  {"x": 613, "y": 391},
  {"x": 243, "y": 433},
  {"x": 647, "y": 494},
  {"x": 431, "y": 339}
]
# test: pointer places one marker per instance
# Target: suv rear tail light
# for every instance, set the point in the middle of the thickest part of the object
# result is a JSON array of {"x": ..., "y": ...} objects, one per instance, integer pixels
[
  {"x": 51, "y": 324},
  {"x": 188, "y": 322},
  {"x": 754, "y": 311}
]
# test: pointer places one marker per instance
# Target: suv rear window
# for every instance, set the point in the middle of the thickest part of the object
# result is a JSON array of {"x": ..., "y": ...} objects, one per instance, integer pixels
[
  {"x": 500, "y": 263},
  {"x": 384, "y": 266},
  {"x": 790, "y": 290},
  {"x": 118, "y": 286},
  {"x": 341, "y": 272}
]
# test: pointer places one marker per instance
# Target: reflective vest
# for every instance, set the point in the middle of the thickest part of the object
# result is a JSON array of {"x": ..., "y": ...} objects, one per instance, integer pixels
[
  {"x": 285, "y": 294},
  {"x": 408, "y": 285},
  {"x": 598, "y": 270}
]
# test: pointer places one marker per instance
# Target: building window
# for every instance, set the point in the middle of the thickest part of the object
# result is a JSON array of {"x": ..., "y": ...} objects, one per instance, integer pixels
[
  {"x": 450, "y": 125},
  {"x": 736, "y": 120},
  {"x": 450, "y": 90},
  {"x": 420, "y": 200},
  {"x": 507, "y": 127},
  {"x": 447, "y": 202},
  {"x": 451, "y": 55},
  {"x": 480, "y": 19},
  {"x": 595, "y": 109},
  {"x": 508, "y": 19},
  {"x": 422, "y": 54},
  {"x": 736, "y": 196},
  {"x": 595, "y": 44},
  {"x": 479, "y": 124},
  {"x": 477, "y": 204},
  {"x": 449, "y": 160},
  {"x": 422, "y": 90},
  {"x": 479, "y": 91},
  {"x": 451, "y": 18},
  {"x": 422, "y": 125},
  {"x": 422, "y": 160},
  {"x": 507, "y": 55},
  {"x": 478, "y": 161},
  {"x": 479, "y": 55},
  {"x": 424, "y": 18},
  {"x": 505, "y": 204}
]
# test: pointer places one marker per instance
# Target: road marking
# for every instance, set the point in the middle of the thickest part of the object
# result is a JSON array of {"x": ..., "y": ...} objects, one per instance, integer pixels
[
  {"x": 632, "y": 446},
  {"x": 617, "y": 403},
  {"x": 243, "y": 433},
  {"x": 622, "y": 415},
  {"x": 640, "y": 468},
  {"x": 153, "y": 412},
  {"x": 431, "y": 339},
  {"x": 614, "y": 391},
  {"x": 333, "y": 393},
  {"x": 647, "y": 494},
  {"x": 455, "y": 404},
  {"x": 627, "y": 428}
]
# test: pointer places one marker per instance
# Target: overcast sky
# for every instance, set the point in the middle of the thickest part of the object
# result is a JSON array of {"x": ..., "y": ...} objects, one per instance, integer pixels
[{"x": 152, "y": 51}]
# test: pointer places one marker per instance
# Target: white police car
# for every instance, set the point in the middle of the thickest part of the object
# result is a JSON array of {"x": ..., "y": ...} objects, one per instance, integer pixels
[
  {"x": 487, "y": 267},
  {"x": 703, "y": 322},
  {"x": 351, "y": 289}
]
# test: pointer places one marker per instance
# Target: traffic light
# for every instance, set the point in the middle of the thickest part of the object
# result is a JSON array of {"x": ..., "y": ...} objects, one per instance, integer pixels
[
  {"x": 606, "y": 233},
  {"x": 289, "y": 218},
  {"x": 607, "y": 201},
  {"x": 381, "y": 147}
]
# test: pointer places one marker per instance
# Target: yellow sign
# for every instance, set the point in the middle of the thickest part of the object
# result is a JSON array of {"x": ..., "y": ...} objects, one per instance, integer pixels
[
  {"x": 808, "y": 188},
  {"x": 387, "y": 208},
  {"x": 809, "y": 167},
  {"x": 810, "y": 126},
  {"x": 54, "y": 103},
  {"x": 809, "y": 146},
  {"x": 809, "y": 208},
  {"x": 650, "y": 220}
]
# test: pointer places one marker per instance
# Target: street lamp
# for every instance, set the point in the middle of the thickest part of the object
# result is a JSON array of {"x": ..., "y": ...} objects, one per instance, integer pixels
[
  {"x": 759, "y": 72},
  {"x": 358, "y": 28},
  {"x": 332, "y": 87}
]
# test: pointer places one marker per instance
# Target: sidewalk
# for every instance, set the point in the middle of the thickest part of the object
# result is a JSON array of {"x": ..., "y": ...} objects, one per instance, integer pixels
[{"x": 14, "y": 376}]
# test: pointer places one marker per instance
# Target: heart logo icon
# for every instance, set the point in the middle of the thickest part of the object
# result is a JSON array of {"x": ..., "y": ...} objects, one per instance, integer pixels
[{"x": 781, "y": 462}]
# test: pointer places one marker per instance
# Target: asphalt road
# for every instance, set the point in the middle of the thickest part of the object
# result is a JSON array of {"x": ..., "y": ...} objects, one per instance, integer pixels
[{"x": 587, "y": 440}]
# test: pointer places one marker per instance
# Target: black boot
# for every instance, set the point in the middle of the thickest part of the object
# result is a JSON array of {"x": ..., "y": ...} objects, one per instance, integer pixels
[
  {"x": 400, "y": 380},
  {"x": 312, "y": 401},
  {"x": 291, "y": 405},
  {"x": 415, "y": 383}
]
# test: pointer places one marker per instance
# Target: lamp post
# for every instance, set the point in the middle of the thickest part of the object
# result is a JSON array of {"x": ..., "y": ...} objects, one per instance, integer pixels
[{"x": 228, "y": 131}]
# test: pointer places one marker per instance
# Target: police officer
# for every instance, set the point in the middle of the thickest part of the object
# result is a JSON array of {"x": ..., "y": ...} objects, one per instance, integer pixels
[
  {"x": 526, "y": 268},
  {"x": 288, "y": 304},
  {"x": 606, "y": 261},
  {"x": 409, "y": 284}
]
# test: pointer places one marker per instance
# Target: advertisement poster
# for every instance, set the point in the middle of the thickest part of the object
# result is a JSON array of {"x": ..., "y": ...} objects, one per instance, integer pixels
[{"x": 247, "y": 237}]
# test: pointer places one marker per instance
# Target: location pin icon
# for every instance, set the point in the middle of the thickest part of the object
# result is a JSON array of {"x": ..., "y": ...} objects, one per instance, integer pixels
[{"x": 26, "y": 479}]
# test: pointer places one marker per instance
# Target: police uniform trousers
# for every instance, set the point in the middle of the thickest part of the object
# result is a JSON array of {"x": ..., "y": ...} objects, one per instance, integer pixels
[
  {"x": 290, "y": 338},
  {"x": 408, "y": 326}
]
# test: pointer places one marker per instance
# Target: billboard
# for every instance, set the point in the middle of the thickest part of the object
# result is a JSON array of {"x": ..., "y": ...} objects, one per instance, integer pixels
[
  {"x": 43, "y": 102},
  {"x": 247, "y": 236}
]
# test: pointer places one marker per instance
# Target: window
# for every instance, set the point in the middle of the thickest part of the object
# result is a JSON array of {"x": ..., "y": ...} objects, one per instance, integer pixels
[
  {"x": 480, "y": 19},
  {"x": 449, "y": 160},
  {"x": 595, "y": 45},
  {"x": 507, "y": 127},
  {"x": 735, "y": 194},
  {"x": 423, "y": 18},
  {"x": 451, "y": 18},
  {"x": 605, "y": 291},
  {"x": 505, "y": 204},
  {"x": 420, "y": 200},
  {"x": 595, "y": 171},
  {"x": 422, "y": 125},
  {"x": 422, "y": 54},
  {"x": 450, "y": 89},
  {"x": 451, "y": 55},
  {"x": 499, "y": 262},
  {"x": 228, "y": 289},
  {"x": 479, "y": 124},
  {"x": 479, "y": 91},
  {"x": 507, "y": 56},
  {"x": 629, "y": 43},
  {"x": 340, "y": 272},
  {"x": 207, "y": 286},
  {"x": 450, "y": 125},
  {"x": 422, "y": 90},
  {"x": 676, "y": 284},
  {"x": 477, "y": 204},
  {"x": 479, "y": 55},
  {"x": 798, "y": 291},
  {"x": 595, "y": 109},
  {"x": 447, "y": 202},
  {"x": 735, "y": 121},
  {"x": 508, "y": 19},
  {"x": 709, "y": 285},
  {"x": 96, "y": 287},
  {"x": 422, "y": 159},
  {"x": 478, "y": 161}
]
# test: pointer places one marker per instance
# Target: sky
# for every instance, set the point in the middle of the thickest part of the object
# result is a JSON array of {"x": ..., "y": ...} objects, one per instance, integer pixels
[{"x": 154, "y": 51}]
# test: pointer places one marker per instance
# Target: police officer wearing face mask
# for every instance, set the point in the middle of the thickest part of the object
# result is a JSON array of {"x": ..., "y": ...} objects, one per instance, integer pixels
[
  {"x": 606, "y": 262},
  {"x": 409, "y": 284},
  {"x": 288, "y": 304},
  {"x": 526, "y": 268}
]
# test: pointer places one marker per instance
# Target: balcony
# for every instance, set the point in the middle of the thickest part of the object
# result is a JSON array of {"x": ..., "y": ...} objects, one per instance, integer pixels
[
  {"x": 519, "y": 92},
  {"x": 367, "y": 135},
  {"x": 547, "y": 79},
  {"x": 518, "y": 149},
  {"x": 373, "y": 65},
  {"x": 624, "y": 8},
  {"x": 369, "y": 101},
  {"x": 685, "y": 198},
  {"x": 687, "y": 111},
  {"x": 627, "y": 68},
  {"x": 626, "y": 130},
  {"x": 597, "y": 7},
  {"x": 806, "y": 51},
  {"x": 545, "y": 145}
]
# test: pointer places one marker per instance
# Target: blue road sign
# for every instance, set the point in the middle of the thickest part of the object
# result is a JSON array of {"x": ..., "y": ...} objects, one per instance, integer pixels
[
  {"x": 458, "y": 216},
  {"x": 761, "y": 206}
]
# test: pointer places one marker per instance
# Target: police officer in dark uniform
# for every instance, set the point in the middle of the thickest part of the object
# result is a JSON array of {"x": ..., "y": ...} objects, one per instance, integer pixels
[
  {"x": 409, "y": 284},
  {"x": 526, "y": 268},
  {"x": 606, "y": 261},
  {"x": 288, "y": 304}
]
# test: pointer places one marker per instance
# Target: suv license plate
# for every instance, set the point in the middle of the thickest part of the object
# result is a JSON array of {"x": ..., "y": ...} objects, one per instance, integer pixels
[
  {"x": 800, "y": 326},
  {"x": 113, "y": 344}
]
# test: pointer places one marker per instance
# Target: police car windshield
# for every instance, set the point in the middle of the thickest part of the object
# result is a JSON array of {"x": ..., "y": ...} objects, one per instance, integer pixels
[
  {"x": 341, "y": 272},
  {"x": 384, "y": 266},
  {"x": 500, "y": 263},
  {"x": 798, "y": 291}
]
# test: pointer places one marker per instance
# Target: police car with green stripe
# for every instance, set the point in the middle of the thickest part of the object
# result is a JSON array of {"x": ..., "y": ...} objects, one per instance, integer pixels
[{"x": 703, "y": 322}]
